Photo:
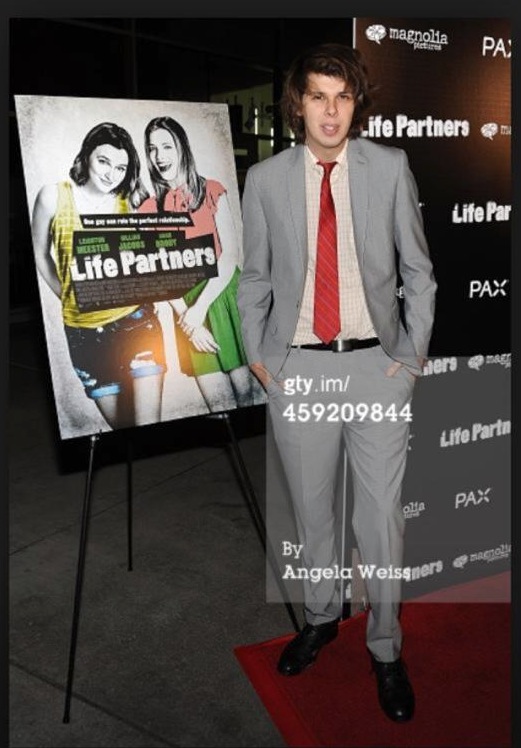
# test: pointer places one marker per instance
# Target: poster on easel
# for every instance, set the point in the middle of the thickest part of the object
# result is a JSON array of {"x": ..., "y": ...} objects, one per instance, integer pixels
[{"x": 136, "y": 228}]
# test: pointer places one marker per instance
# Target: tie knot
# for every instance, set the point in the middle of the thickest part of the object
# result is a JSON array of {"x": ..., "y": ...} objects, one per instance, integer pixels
[{"x": 328, "y": 167}]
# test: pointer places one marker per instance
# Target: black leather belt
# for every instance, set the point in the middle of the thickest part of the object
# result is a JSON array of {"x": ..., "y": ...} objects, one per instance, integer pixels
[{"x": 340, "y": 346}]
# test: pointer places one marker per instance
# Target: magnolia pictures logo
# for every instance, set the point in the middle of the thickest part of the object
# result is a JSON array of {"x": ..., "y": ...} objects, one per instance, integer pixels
[
  {"x": 503, "y": 359},
  {"x": 432, "y": 40},
  {"x": 490, "y": 129},
  {"x": 413, "y": 509},
  {"x": 460, "y": 561},
  {"x": 500, "y": 553},
  {"x": 476, "y": 362},
  {"x": 376, "y": 33}
]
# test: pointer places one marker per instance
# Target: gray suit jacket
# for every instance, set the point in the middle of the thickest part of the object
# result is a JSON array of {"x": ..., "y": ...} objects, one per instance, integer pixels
[{"x": 386, "y": 217}]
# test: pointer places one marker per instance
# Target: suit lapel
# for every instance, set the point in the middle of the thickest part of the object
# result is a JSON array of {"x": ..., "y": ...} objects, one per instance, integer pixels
[
  {"x": 296, "y": 186},
  {"x": 359, "y": 194}
]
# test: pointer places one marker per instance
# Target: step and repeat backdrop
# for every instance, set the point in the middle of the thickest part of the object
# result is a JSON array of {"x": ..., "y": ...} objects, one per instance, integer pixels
[{"x": 443, "y": 95}]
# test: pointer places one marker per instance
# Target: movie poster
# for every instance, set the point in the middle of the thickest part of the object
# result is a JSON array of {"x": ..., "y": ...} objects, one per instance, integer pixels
[{"x": 136, "y": 226}]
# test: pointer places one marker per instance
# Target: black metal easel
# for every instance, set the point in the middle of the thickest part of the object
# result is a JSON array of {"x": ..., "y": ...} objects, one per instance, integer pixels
[
  {"x": 79, "y": 576},
  {"x": 251, "y": 503}
]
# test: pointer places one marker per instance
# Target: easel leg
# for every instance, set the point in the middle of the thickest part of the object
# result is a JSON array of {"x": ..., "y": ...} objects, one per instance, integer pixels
[
  {"x": 258, "y": 519},
  {"x": 79, "y": 577},
  {"x": 129, "y": 504}
]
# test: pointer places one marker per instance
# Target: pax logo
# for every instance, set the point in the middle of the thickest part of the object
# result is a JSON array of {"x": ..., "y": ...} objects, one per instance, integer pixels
[
  {"x": 492, "y": 47},
  {"x": 472, "y": 498},
  {"x": 491, "y": 288}
]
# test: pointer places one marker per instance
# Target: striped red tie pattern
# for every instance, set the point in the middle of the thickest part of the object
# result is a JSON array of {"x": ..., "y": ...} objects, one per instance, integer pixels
[{"x": 326, "y": 324}]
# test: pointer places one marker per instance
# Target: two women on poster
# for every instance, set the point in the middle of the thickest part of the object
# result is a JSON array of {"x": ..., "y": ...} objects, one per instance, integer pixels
[{"x": 119, "y": 353}]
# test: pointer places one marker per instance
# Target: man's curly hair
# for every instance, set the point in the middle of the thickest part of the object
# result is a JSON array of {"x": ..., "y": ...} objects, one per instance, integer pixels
[{"x": 336, "y": 60}]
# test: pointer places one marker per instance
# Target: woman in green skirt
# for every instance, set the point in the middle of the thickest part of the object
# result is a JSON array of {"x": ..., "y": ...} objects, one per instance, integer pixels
[{"x": 208, "y": 331}]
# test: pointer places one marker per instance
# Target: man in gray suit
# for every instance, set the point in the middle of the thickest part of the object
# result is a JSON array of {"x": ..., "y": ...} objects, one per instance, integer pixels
[{"x": 327, "y": 224}]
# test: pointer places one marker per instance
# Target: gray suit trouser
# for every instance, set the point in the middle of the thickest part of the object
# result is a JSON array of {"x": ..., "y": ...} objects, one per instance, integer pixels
[{"x": 377, "y": 450}]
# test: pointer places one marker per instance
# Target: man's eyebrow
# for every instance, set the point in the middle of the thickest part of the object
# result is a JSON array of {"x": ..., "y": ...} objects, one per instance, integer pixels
[{"x": 347, "y": 89}]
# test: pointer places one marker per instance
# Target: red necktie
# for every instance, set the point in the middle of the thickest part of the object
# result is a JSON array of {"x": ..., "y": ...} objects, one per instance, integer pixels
[{"x": 326, "y": 323}]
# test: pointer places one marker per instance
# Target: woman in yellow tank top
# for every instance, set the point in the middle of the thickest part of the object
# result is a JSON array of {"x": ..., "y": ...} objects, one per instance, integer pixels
[{"x": 117, "y": 353}]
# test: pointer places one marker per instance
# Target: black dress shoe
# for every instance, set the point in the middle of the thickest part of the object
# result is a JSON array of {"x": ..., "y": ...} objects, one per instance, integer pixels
[
  {"x": 303, "y": 649},
  {"x": 395, "y": 692}
]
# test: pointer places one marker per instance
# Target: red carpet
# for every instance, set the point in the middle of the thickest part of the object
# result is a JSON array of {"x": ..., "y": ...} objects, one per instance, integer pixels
[{"x": 458, "y": 659}]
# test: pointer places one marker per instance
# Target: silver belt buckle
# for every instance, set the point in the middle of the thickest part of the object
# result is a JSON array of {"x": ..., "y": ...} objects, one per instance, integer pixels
[{"x": 341, "y": 346}]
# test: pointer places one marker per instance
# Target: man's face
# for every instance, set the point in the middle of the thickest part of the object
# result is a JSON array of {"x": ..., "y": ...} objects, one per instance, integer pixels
[{"x": 327, "y": 108}]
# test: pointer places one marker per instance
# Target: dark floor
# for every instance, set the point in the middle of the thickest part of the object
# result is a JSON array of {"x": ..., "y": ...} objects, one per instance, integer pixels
[{"x": 154, "y": 663}]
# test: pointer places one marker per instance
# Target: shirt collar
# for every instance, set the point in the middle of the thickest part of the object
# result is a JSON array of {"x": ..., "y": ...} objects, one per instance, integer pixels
[{"x": 341, "y": 159}]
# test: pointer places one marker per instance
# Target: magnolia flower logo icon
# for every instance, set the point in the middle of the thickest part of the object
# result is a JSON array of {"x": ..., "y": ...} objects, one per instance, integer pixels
[
  {"x": 476, "y": 362},
  {"x": 460, "y": 561},
  {"x": 376, "y": 33},
  {"x": 489, "y": 130}
]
